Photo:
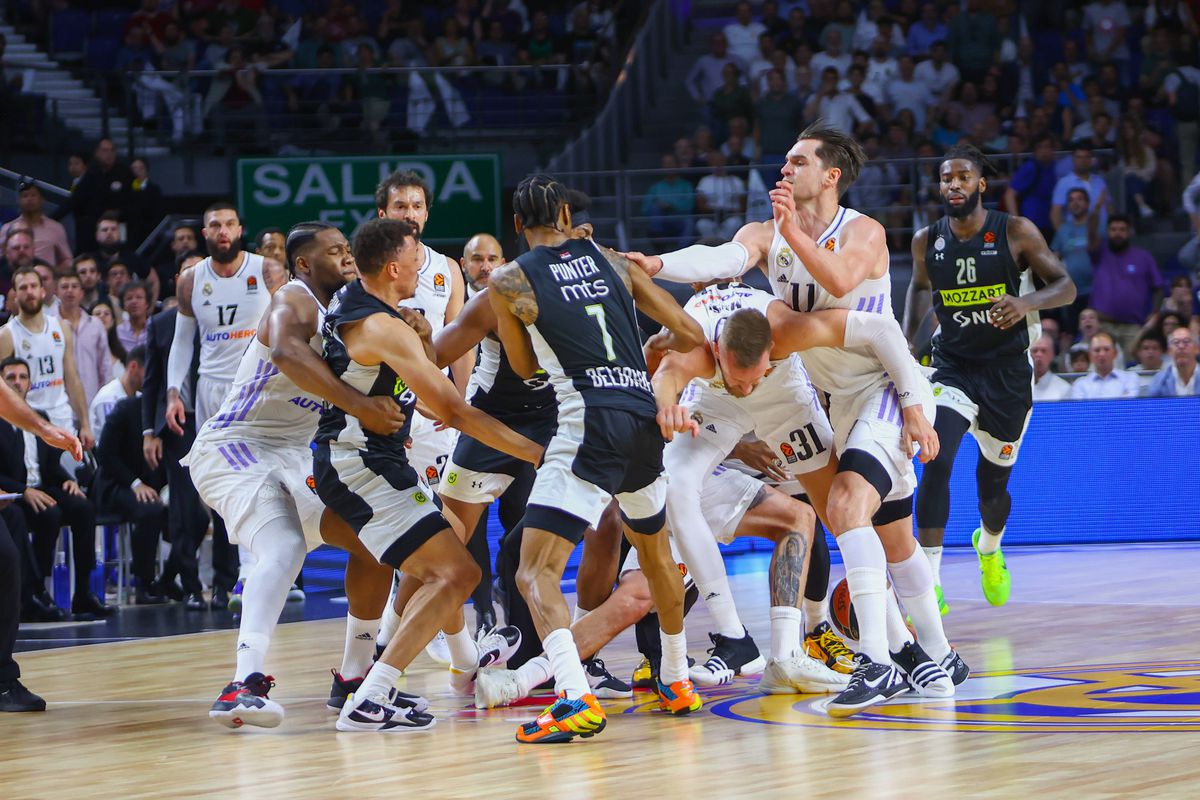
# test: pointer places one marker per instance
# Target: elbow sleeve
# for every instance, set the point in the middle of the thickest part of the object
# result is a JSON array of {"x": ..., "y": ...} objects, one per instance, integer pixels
[
  {"x": 882, "y": 334},
  {"x": 701, "y": 264}
]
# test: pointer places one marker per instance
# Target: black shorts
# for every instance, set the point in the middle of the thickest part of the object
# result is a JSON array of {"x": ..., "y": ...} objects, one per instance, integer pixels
[
  {"x": 474, "y": 455},
  {"x": 1000, "y": 391}
]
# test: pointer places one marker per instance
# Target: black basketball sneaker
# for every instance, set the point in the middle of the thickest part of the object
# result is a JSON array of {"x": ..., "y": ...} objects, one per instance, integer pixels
[
  {"x": 870, "y": 683},
  {"x": 246, "y": 702},
  {"x": 393, "y": 712},
  {"x": 956, "y": 667},
  {"x": 925, "y": 675},
  {"x": 344, "y": 687},
  {"x": 728, "y": 658}
]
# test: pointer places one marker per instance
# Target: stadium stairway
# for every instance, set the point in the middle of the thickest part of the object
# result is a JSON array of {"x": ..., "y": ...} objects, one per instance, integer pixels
[{"x": 76, "y": 105}]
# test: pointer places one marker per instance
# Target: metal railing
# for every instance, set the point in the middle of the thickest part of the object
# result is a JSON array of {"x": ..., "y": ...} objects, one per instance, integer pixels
[
  {"x": 633, "y": 94},
  {"x": 900, "y": 193}
]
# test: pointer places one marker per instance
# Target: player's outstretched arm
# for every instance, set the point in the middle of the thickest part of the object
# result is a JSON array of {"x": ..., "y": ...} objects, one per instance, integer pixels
[
  {"x": 515, "y": 306},
  {"x": 179, "y": 360},
  {"x": 459, "y": 336},
  {"x": 863, "y": 247},
  {"x": 15, "y": 410},
  {"x": 919, "y": 299},
  {"x": 381, "y": 337},
  {"x": 683, "y": 333},
  {"x": 703, "y": 264},
  {"x": 1029, "y": 247},
  {"x": 673, "y": 374},
  {"x": 291, "y": 322}
]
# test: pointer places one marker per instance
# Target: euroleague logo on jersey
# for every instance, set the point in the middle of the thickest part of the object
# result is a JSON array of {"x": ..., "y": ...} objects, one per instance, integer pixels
[
  {"x": 251, "y": 284},
  {"x": 831, "y": 244},
  {"x": 788, "y": 452},
  {"x": 311, "y": 483},
  {"x": 1099, "y": 698},
  {"x": 439, "y": 283}
]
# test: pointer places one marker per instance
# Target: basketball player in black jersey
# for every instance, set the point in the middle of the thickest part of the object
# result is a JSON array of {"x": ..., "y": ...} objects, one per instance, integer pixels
[
  {"x": 366, "y": 479},
  {"x": 569, "y": 305},
  {"x": 977, "y": 266}
]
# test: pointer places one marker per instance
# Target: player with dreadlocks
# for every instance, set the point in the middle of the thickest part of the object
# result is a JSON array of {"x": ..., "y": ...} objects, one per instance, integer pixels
[{"x": 978, "y": 266}]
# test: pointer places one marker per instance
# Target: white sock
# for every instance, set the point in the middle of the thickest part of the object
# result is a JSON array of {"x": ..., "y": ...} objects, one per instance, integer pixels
[
  {"x": 464, "y": 653},
  {"x": 390, "y": 621},
  {"x": 579, "y": 613},
  {"x": 934, "y": 556},
  {"x": 914, "y": 584},
  {"x": 279, "y": 551},
  {"x": 866, "y": 576},
  {"x": 897, "y": 632},
  {"x": 532, "y": 674},
  {"x": 815, "y": 612},
  {"x": 251, "y": 654},
  {"x": 785, "y": 631},
  {"x": 569, "y": 676},
  {"x": 989, "y": 542},
  {"x": 381, "y": 678},
  {"x": 360, "y": 646},
  {"x": 719, "y": 599},
  {"x": 674, "y": 666}
]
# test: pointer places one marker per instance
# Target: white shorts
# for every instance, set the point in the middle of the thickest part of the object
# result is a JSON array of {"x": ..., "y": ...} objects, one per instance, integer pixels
[
  {"x": 782, "y": 411},
  {"x": 430, "y": 450},
  {"x": 253, "y": 483},
  {"x": 871, "y": 422},
  {"x": 469, "y": 486},
  {"x": 632, "y": 564},
  {"x": 210, "y": 394},
  {"x": 724, "y": 500}
]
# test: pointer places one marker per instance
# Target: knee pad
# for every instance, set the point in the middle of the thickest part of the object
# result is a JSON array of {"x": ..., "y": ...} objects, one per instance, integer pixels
[{"x": 994, "y": 500}]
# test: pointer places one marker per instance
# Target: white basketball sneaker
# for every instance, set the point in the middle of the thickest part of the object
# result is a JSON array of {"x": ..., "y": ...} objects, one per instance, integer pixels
[
  {"x": 496, "y": 688},
  {"x": 438, "y": 649},
  {"x": 801, "y": 674}
]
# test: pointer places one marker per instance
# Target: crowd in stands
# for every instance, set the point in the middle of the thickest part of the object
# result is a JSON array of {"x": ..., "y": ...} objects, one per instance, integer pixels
[
  {"x": 1090, "y": 110},
  {"x": 568, "y": 47}
]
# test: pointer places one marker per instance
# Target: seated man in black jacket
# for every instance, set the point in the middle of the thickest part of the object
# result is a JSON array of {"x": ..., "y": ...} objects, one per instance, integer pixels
[
  {"x": 127, "y": 486},
  {"x": 50, "y": 498}
]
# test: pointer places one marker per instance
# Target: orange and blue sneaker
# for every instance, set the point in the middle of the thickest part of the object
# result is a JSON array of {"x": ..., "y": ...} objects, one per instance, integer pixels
[
  {"x": 564, "y": 720},
  {"x": 679, "y": 698}
]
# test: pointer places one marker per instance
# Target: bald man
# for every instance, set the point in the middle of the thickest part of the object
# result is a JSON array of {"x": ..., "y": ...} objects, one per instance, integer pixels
[{"x": 481, "y": 255}]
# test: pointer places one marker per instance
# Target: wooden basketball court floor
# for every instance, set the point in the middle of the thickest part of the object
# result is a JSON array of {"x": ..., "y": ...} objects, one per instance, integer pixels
[{"x": 1087, "y": 684}]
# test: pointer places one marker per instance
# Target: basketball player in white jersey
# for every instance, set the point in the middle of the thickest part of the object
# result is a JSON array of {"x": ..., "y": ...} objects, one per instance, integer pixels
[
  {"x": 46, "y": 344},
  {"x": 251, "y": 461},
  {"x": 224, "y": 296},
  {"x": 441, "y": 291},
  {"x": 819, "y": 254},
  {"x": 748, "y": 379}
]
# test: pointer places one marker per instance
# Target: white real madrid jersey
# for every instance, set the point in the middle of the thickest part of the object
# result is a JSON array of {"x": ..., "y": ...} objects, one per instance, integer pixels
[
  {"x": 433, "y": 289},
  {"x": 227, "y": 311},
  {"x": 836, "y": 370},
  {"x": 44, "y": 351},
  {"x": 263, "y": 403}
]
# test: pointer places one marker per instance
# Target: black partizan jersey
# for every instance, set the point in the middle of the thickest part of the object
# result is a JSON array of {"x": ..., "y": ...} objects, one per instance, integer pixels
[
  {"x": 586, "y": 333},
  {"x": 353, "y": 303},
  {"x": 499, "y": 391},
  {"x": 967, "y": 278}
]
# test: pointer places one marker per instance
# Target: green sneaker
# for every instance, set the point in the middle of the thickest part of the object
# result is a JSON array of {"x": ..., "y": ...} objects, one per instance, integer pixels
[
  {"x": 943, "y": 606},
  {"x": 993, "y": 573}
]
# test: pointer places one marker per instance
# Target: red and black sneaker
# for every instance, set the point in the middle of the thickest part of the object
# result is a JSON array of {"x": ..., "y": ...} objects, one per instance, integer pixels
[
  {"x": 342, "y": 688},
  {"x": 246, "y": 703}
]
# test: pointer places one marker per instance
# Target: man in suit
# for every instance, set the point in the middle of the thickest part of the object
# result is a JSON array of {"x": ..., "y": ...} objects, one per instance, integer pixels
[
  {"x": 128, "y": 486},
  {"x": 13, "y": 694},
  {"x": 160, "y": 446},
  {"x": 50, "y": 498}
]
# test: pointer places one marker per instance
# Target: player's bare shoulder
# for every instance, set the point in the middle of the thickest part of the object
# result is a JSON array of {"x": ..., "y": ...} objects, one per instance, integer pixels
[
  {"x": 1024, "y": 239},
  {"x": 511, "y": 283},
  {"x": 620, "y": 264}
]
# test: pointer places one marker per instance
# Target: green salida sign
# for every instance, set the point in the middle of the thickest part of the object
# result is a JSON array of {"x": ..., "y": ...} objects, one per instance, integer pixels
[{"x": 341, "y": 191}]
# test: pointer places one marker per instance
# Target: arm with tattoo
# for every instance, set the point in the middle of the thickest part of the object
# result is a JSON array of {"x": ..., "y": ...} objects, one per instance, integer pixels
[{"x": 515, "y": 305}]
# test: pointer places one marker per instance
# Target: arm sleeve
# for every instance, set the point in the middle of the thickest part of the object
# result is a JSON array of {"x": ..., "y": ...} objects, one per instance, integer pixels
[
  {"x": 700, "y": 263},
  {"x": 882, "y": 334},
  {"x": 179, "y": 361}
]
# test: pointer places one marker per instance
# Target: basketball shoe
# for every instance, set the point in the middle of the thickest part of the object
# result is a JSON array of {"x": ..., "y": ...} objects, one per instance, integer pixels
[
  {"x": 955, "y": 667},
  {"x": 495, "y": 647},
  {"x": 728, "y": 658},
  {"x": 993, "y": 573},
  {"x": 235, "y": 597},
  {"x": 943, "y": 606},
  {"x": 438, "y": 650},
  {"x": 243, "y": 702},
  {"x": 393, "y": 712},
  {"x": 870, "y": 683},
  {"x": 497, "y": 688},
  {"x": 343, "y": 688},
  {"x": 679, "y": 698},
  {"x": 801, "y": 674},
  {"x": 643, "y": 675},
  {"x": 564, "y": 720},
  {"x": 925, "y": 675},
  {"x": 605, "y": 685},
  {"x": 823, "y": 644}
]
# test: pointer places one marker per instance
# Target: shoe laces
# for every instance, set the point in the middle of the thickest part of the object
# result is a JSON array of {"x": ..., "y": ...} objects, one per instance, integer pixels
[
  {"x": 832, "y": 644},
  {"x": 597, "y": 667},
  {"x": 859, "y": 676}
]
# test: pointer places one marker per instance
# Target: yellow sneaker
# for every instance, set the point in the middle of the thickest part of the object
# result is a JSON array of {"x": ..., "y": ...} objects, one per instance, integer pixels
[
  {"x": 993, "y": 573},
  {"x": 823, "y": 644},
  {"x": 564, "y": 720},
  {"x": 643, "y": 677}
]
